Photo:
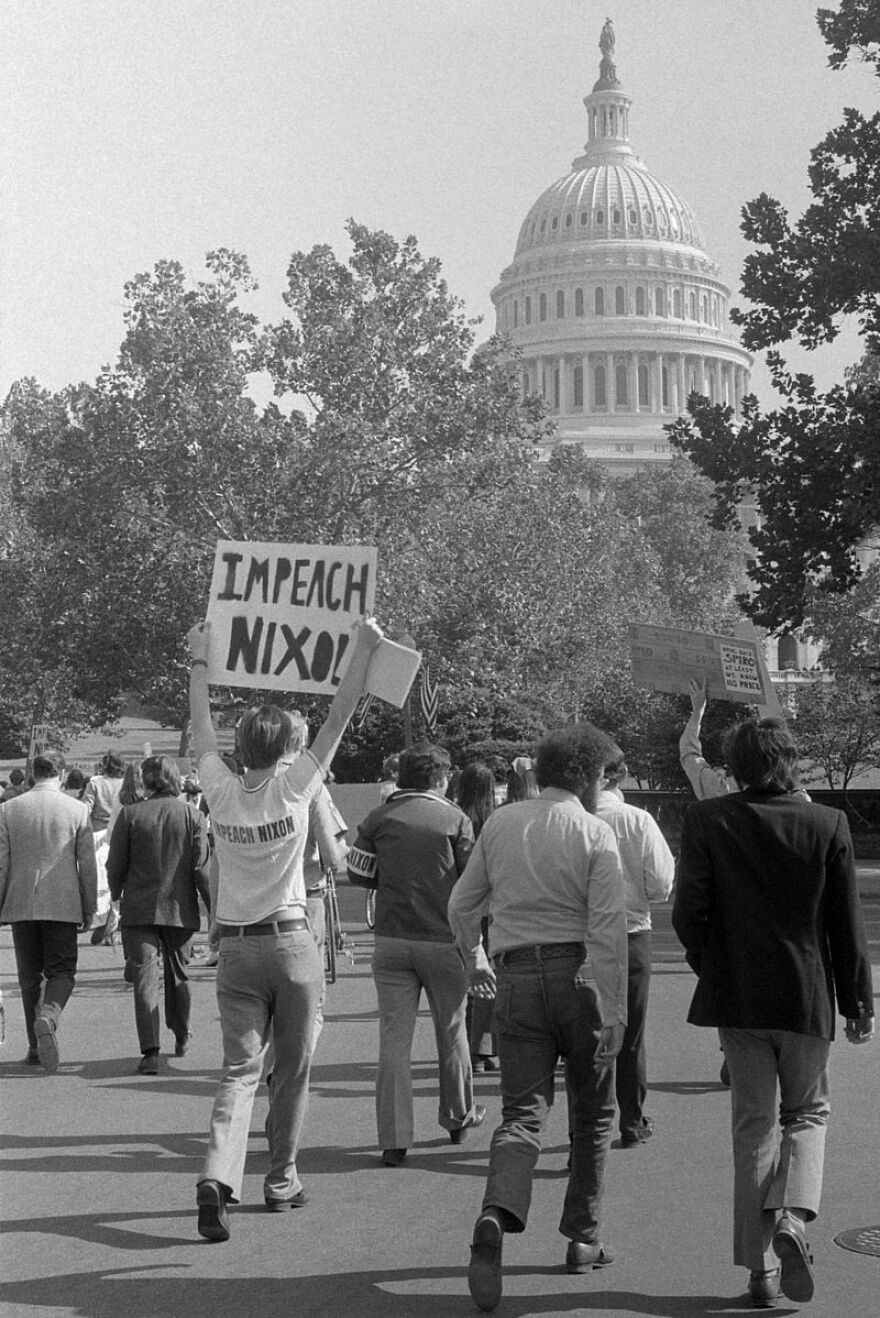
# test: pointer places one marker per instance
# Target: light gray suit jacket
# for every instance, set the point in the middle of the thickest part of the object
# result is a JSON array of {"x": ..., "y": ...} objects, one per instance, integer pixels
[{"x": 47, "y": 857}]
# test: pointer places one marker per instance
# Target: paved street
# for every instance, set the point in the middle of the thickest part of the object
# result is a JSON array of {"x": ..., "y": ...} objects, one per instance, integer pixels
[{"x": 99, "y": 1167}]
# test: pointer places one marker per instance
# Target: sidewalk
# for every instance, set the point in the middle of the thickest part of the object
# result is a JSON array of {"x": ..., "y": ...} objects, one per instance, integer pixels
[{"x": 99, "y": 1170}]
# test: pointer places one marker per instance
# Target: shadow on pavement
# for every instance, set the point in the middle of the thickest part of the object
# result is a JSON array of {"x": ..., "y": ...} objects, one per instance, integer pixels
[{"x": 374, "y": 1294}]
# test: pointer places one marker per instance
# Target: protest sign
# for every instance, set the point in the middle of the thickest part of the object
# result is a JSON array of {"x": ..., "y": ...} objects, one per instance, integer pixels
[
  {"x": 281, "y": 615},
  {"x": 666, "y": 658}
]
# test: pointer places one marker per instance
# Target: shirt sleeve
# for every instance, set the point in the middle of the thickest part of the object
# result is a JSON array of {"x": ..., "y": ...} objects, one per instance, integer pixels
[
  {"x": 705, "y": 780},
  {"x": 658, "y": 863},
  {"x": 606, "y": 926},
  {"x": 328, "y": 828},
  {"x": 362, "y": 862},
  {"x": 467, "y": 905}
]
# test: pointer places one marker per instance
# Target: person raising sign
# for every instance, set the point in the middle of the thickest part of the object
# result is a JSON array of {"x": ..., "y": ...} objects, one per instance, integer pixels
[{"x": 269, "y": 975}]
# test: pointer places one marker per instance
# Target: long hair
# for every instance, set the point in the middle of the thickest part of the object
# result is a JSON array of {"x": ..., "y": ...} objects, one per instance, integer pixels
[
  {"x": 161, "y": 776},
  {"x": 476, "y": 793},
  {"x": 132, "y": 789}
]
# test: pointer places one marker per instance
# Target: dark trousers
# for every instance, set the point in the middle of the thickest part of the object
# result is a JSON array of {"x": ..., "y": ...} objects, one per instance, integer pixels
[
  {"x": 144, "y": 944},
  {"x": 540, "y": 1016},
  {"x": 631, "y": 1075},
  {"x": 45, "y": 956}
]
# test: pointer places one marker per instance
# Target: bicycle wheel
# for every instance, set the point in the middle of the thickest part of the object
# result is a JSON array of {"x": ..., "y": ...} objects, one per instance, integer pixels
[
  {"x": 331, "y": 932},
  {"x": 370, "y": 909}
]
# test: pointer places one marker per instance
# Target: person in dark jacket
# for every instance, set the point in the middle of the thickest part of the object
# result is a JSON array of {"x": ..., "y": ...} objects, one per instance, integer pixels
[
  {"x": 767, "y": 908},
  {"x": 411, "y": 850},
  {"x": 158, "y": 867}
]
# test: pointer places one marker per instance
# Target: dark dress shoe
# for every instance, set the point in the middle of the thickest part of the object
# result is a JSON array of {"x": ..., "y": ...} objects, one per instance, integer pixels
[
  {"x": 764, "y": 1289},
  {"x": 212, "y": 1198},
  {"x": 790, "y": 1247},
  {"x": 484, "y": 1272},
  {"x": 393, "y": 1157},
  {"x": 633, "y": 1138},
  {"x": 149, "y": 1063},
  {"x": 47, "y": 1044},
  {"x": 298, "y": 1200},
  {"x": 181, "y": 1046},
  {"x": 581, "y": 1257},
  {"x": 460, "y": 1135}
]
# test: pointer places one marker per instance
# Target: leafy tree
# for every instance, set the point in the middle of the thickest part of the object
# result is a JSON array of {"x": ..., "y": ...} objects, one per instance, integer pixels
[
  {"x": 802, "y": 281},
  {"x": 837, "y": 729}
]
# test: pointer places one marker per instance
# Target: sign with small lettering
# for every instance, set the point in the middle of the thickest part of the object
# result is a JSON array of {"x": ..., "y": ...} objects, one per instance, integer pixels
[
  {"x": 666, "y": 658},
  {"x": 281, "y": 615}
]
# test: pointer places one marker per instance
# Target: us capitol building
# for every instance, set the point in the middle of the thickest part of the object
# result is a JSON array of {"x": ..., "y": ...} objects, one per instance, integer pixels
[{"x": 611, "y": 298}]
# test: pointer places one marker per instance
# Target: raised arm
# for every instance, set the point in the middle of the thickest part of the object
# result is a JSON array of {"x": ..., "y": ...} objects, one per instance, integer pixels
[
  {"x": 367, "y": 635},
  {"x": 204, "y": 738}
]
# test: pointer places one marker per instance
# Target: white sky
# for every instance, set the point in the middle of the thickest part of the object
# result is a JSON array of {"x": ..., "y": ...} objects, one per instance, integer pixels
[{"x": 139, "y": 131}]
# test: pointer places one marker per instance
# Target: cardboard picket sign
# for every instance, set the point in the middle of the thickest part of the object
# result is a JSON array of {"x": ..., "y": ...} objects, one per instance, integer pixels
[
  {"x": 281, "y": 615},
  {"x": 666, "y": 658}
]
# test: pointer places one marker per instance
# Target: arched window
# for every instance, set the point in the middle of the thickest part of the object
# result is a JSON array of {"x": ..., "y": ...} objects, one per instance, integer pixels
[
  {"x": 560, "y": 305},
  {"x": 665, "y": 385},
  {"x": 578, "y": 383},
  {"x": 660, "y": 300},
  {"x": 693, "y": 301},
  {"x": 619, "y": 301},
  {"x": 578, "y": 301},
  {"x": 621, "y": 391},
  {"x": 644, "y": 398},
  {"x": 542, "y": 307},
  {"x": 600, "y": 301},
  {"x": 528, "y": 311},
  {"x": 676, "y": 303},
  {"x": 599, "y": 393},
  {"x": 640, "y": 302},
  {"x": 557, "y": 388},
  {"x": 788, "y": 652},
  {"x": 515, "y": 313},
  {"x": 705, "y": 309}
]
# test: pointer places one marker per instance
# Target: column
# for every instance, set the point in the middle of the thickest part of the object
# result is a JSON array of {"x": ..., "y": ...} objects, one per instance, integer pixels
[
  {"x": 610, "y": 382},
  {"x": 682, "y": 385},
  {"x": 632, "y": 371},
  {"x": 719, "y": 382}
]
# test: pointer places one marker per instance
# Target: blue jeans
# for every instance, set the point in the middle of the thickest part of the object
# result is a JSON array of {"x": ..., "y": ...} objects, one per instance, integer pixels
[
  {"x": 266, "y": 984},
  {"x": 780, "y": 1108},
  {"x": 144, "y": 945},
  {"x": 402, "y": 967},
  {"x": 540, "y": 1016}
]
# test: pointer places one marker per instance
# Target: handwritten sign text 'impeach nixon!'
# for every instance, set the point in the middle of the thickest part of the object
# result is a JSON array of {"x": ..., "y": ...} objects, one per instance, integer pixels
[{"x": 281, "y": 615}]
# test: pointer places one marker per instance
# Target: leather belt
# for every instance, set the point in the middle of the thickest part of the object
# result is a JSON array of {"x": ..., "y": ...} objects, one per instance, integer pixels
[
  {"x": 540, "y": 952},
  {"x": 271, "y": 927}
]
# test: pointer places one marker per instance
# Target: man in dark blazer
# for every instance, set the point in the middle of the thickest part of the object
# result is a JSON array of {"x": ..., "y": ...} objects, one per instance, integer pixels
[{"x": 767, "y": 908}]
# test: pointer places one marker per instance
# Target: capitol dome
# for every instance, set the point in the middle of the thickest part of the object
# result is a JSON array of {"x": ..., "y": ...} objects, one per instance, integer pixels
[{"x": 616, "y": 308}]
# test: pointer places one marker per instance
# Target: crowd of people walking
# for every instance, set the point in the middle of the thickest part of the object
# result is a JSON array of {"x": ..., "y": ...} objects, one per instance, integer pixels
[{"x": 527, "y": 926}]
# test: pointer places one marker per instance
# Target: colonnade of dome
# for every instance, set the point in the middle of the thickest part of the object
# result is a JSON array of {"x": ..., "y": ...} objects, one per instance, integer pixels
[{"x": 615, "y": 307}]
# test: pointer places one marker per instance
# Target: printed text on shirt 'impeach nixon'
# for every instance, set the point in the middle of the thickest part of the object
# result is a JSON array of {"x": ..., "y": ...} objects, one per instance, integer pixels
[
  {"x": 251, "y": 833},
  {"x": 266, "y": 645}
]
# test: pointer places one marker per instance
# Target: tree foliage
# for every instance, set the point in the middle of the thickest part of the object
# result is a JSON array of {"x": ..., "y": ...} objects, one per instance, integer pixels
[
  {"x": 517, "y": 578},
  {"x": 837, "y": 730},
  {"x": 811, "y": 465}
]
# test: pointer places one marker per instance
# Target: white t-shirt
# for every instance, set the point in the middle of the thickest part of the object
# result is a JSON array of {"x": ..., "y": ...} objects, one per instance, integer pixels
[{"x": 260, "y": 837}]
